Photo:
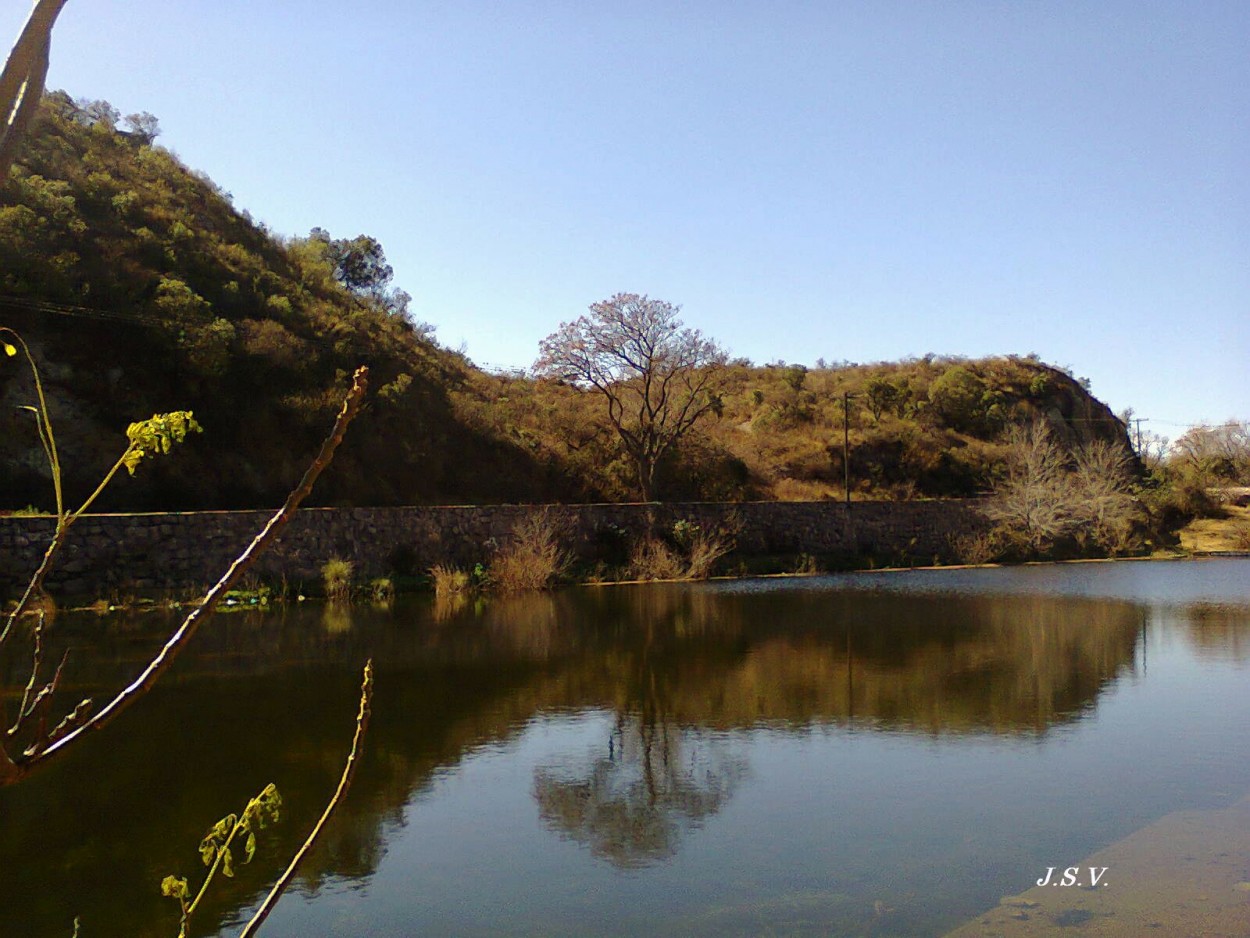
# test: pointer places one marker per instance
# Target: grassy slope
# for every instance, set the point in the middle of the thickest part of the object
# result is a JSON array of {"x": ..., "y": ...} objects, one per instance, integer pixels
[{"x": 1231, "y": 532}]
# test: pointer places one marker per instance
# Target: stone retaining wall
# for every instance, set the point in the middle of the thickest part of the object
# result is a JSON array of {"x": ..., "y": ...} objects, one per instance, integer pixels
[{"x": 136, "y": 552}]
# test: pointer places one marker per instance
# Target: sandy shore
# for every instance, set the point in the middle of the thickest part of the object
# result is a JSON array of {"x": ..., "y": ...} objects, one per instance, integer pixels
[{"x": 1188, "y": 874}]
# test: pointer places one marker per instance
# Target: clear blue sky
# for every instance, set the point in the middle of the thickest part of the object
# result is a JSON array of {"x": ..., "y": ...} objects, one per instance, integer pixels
[{"x": 847, "y": 180}]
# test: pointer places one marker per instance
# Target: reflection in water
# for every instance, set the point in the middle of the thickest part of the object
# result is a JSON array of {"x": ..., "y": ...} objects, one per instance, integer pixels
[
  {"x": 1218, "y": 631},
  {"x": 632, "y": 804},
  {"x": 336, "y": 618},
  {"x": 687, "y": 671}
]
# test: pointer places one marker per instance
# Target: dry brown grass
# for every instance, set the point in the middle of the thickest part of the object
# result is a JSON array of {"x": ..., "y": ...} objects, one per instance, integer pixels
[
  {"x": 533, "y": 559},
  {"x": 652, "y": 559},
  {"x": 706, "y": 548},
  {"x": 693, "y": 558},
  {"x": 449, "y": 580},
  {"x": 1231, "y": 532},
  {"x": 977, "y": 547},
  {"x": 804, "y": 490}
]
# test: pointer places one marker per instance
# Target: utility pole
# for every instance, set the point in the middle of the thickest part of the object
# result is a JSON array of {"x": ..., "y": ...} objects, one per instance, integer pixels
[{"x": 1138, "y": 422}]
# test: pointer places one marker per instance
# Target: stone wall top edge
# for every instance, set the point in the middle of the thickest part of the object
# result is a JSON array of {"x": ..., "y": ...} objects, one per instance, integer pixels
[{"x": 321, "y": 509}]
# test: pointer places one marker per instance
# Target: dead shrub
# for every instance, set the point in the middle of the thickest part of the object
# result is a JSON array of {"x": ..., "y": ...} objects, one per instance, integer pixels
[
  {"x": 653, "y": 559},
  {"x": 1241, "y": 537},
  {"x": 533, "y": 558},
  {"x": 706, "y": 548},
  {"x": 806, "y": 565},
  {"x": 977, "y": 547},
  {"x": 692, "y": 554}
]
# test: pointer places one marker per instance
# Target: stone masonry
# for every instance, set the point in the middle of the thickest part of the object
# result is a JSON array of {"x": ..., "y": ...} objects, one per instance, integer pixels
[{"x": 106, "y": 554}]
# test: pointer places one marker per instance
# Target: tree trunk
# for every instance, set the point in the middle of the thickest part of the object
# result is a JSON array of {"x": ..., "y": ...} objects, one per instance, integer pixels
[{"x": 646, "y": 479}]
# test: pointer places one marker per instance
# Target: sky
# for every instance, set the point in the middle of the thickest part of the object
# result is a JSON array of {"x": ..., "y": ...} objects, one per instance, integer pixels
[{"x": 852, "y": 181}]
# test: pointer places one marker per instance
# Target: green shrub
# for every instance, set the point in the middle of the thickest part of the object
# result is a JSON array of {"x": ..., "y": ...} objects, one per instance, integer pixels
[
  {"x": 336, "y": 576},
  {"x": 381, "y": 590}
]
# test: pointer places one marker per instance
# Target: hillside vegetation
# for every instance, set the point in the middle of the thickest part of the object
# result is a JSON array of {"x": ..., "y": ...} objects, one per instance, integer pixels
[
  {"x": 141, "y": 288},
  {"x": 923, "y": 427}
]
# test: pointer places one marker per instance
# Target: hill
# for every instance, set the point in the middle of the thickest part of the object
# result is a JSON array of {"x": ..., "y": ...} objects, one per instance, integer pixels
[
  {"x": 141, "y": 288},
  {"x": 928, "y": 427}
]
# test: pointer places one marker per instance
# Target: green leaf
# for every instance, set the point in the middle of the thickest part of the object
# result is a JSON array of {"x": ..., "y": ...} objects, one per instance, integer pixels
[
  {"x": 175, "y": 887},
  {"x": 227, "y": 862},
  {"x": 208, "y": 851},
  {"x": 157, "y": 435},
  {"x": 249, "y": 848}
]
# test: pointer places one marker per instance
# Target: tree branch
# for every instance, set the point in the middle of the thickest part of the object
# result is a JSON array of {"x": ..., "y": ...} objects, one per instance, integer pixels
[
  {"x": 349, "y": 770},
  {"x": 165, "y": 657},
  {"x": 21, "y": 81}
]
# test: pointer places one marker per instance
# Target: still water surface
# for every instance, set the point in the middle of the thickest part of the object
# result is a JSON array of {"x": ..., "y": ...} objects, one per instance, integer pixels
[{"x": 871, "y": 754}]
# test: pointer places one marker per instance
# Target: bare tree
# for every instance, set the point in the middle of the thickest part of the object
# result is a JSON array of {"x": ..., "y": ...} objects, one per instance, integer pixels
[
  {"x": 21, "y": 81},
  {"x": 1051, "y": 494},
  {"x": 1106, "y": 510},
  {"x": 657, "y": 378},
  {"x": 1033, "y": 504},
  {"x": 1220, "y": 453}
]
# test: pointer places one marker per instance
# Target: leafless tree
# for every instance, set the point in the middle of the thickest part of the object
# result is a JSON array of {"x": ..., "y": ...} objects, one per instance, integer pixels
[
  {"x": 1051, "y": 494},
  {"x": 1033, "y": 502},
  {"x": 658, "y": 378},
  {"x": 1220, "y": 452},
  {"x": 1106, "y": 511}
]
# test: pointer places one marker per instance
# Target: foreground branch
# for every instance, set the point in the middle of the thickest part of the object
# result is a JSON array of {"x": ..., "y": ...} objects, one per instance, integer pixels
[
  {"x": 22, "y": 78},
  {"x": 43, "y": 750},
  {"x": 349, "y": 769}
]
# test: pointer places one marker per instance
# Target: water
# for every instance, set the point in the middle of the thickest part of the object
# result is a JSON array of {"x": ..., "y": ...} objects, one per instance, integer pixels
[{"x": 862, "y": 754}]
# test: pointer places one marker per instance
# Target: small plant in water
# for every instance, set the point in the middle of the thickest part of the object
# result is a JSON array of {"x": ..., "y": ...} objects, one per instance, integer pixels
[
  {"x": 449, "y": 580},
  {"x": 382, "y": 591},
  {"x": 336, "y": 575},
  {"x": 219, "y": 848}
]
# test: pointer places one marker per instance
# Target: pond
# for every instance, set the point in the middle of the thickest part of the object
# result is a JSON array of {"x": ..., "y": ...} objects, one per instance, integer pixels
[{"x": 862, "y": 754}]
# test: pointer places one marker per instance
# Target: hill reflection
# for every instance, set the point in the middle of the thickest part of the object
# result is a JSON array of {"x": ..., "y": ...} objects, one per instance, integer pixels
[{"x": 270, "y": 698}]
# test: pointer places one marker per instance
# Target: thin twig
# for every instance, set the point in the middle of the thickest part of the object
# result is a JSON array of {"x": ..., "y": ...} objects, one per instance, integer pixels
[
  {"x": 349, "y": 769},
  {"x": 36, "y": 658},
  {"x": 42, "y": 699},
  {"x": 165, "y": 657}
]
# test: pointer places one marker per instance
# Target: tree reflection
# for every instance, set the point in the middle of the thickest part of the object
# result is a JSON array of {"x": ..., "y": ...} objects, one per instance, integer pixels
[
  {"x": 633, "y": 804},
  {"x": 687, "y": 673},
  {"x": 1218, "y": 632}
]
